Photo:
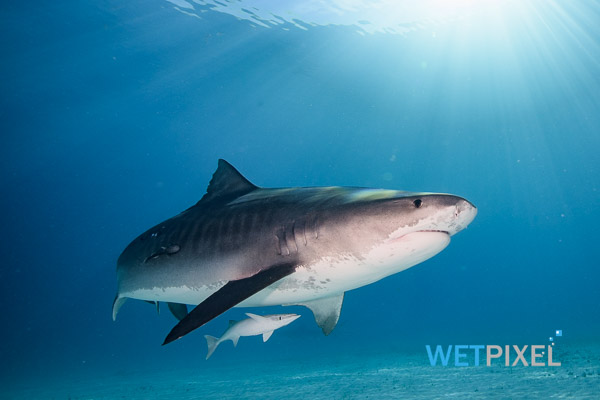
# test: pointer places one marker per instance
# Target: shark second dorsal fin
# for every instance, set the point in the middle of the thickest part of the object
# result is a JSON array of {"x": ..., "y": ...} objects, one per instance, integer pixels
[
  {"x": 232, "y": 322},
  {"x": 227, "y": 184}
]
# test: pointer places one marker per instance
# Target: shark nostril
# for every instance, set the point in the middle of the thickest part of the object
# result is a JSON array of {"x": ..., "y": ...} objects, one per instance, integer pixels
[{"x": 418, "y": 203}]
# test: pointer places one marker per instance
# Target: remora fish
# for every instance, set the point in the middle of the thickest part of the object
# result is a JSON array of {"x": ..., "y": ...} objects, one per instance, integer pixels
[
  {"x": 253, "y": 326},
  {"x": 246, "y": 246}
]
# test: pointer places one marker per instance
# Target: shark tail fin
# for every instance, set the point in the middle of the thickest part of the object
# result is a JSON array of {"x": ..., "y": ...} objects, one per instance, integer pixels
[
  {"x": 212, "y": 343},
  {"x": 117, "y": 305}
]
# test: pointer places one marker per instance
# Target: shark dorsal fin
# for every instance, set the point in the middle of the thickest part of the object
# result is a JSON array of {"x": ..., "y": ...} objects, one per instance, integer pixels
[
  {"x": 232, "y": 322},
  {"x": 227, "y": 184}
]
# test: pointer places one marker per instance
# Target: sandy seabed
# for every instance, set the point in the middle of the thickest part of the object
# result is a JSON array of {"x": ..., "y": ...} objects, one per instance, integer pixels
[{"x": 388, "y": 376}]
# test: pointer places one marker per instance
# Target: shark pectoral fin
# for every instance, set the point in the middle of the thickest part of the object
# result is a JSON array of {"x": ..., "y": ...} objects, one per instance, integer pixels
[
  {"x": 267, "y": 335},
  {"x": 228, "y": 296},
  {"x": 326, "y": 311},
  {"x": 117, "y": 303},
  {"x": 178, "y": 310}
]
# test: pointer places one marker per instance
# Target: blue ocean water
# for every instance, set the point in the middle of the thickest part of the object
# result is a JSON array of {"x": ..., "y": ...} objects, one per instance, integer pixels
[{"x": 114, "y": 115}]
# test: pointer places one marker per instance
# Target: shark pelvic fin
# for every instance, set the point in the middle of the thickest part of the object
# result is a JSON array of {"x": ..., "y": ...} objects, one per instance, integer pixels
[
  {"x": 227, "y": 184},
  {"x": 178, "y": 310},
  {"x": 228, "y": 296},
  {"x": 326, "y": 311},
  {"x": 154, "y": 303},
  {"x": 267, "y": 335}
]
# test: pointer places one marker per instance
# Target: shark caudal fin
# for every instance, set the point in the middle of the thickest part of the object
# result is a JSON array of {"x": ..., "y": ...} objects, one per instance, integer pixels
[
  {"x": 212, "y": 343},
  {"x": 117, "y": 305}
]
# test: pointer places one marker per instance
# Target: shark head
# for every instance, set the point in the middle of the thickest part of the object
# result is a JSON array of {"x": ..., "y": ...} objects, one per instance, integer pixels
[
  {"x": 389, "y": 231},
  {"x": 408, "y": 213}
]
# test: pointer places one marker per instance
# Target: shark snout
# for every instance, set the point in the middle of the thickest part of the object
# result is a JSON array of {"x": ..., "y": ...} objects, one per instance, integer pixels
[
  {"x": 466, "y": 208},
  {"x": 464, "y": 214}
]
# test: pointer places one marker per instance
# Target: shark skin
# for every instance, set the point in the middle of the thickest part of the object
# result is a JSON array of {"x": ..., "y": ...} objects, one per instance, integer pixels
[
  {"x": 255, "y": 325},
  {"x": 246, "y": 246}
]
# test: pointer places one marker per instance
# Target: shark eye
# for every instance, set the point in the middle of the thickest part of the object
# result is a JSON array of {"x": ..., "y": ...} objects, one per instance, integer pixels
[
  {"x": 280, "y": 318},
  {"x": 418, "y": 203}
]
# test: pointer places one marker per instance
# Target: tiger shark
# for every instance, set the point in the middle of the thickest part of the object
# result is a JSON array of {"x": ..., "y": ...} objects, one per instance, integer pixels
[{"x": 246, "y": 246}]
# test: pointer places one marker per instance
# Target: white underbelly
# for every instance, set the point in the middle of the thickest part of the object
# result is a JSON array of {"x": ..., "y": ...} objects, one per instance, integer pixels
[{"x": 323, "y": 278}]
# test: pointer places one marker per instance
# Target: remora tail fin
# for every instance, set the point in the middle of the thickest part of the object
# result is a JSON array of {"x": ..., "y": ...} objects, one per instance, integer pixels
[
  {"x": 212, "y": 343},
  {"x": 228, "y": 296}
]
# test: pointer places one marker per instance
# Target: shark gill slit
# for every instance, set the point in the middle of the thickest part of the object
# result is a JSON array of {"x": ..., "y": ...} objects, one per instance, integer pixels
[
  {"x": 304, "y": 231},
  {"x": 315, "y": 226},
  {"x": 277, "y": 243},
  {"x": 290, "y": 237},
  {"x": 284, "y": 242}
]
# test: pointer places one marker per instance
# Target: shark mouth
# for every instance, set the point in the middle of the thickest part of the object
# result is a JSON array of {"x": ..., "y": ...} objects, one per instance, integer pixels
[{"x": 411, "y": 235}]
